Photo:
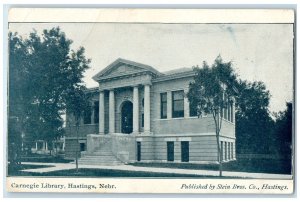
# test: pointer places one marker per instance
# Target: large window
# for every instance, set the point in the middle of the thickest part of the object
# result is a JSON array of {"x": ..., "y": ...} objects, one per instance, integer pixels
[
  {"x": 96, "y": 112},
  {"x": 163, "y": 105},
  {"x": 177, "y": 104},
  {"x": 193, "y": 110},
  {"x": 87, "y": 119}
]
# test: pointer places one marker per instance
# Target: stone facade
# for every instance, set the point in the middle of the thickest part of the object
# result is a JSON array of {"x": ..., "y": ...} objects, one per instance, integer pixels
[{"x": 143, "y": 116}]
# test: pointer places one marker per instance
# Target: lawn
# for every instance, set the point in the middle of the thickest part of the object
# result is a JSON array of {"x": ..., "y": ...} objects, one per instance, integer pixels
[
  {"x": 16, "y": 169},
  {"x": 244, "y": 165},
  {"x": 44, "y": 159},
  {"x": 85, "y": 172}
]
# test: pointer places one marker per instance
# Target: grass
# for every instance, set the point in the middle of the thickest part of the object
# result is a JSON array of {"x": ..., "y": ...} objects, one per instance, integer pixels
[
  {"x": 44, "y": 159},
  {"x": 111, "y": 173},
  {"x": 243, "y": 165},
  {"x": 15, "y": 170}
]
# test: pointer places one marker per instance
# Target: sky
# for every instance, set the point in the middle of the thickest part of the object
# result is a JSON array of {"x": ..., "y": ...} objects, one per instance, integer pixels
[{"x": 259, "y": 52}]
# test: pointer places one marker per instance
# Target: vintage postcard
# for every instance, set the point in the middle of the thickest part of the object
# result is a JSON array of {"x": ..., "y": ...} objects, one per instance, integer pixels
[{"x": 150, "y": 101}]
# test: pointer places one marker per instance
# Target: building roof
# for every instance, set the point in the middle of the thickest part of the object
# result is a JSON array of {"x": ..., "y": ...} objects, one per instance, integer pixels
[
  {"x": 178, "y": 71},
  {"x": 120, "y": 61},
  {"x": 111, "y": 71},
  {"x": 175, "y": 74}
]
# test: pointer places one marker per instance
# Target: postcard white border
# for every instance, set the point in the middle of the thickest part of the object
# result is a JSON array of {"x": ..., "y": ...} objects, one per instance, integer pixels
[{"x": 133, "y": 15}]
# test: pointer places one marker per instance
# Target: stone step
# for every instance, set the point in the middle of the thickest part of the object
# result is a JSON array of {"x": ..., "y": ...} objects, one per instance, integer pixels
[{"x": 101, "y": 156}]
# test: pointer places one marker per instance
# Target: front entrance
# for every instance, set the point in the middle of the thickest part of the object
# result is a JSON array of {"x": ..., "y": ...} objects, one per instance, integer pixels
[{"x": 127, "y": 117}]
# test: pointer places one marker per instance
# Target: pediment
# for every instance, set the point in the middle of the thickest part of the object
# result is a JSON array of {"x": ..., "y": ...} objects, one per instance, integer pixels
[{"x": 122, "y": 67}]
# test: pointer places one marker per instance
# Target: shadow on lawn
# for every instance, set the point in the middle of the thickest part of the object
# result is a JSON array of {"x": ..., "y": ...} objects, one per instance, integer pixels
[
  {"x": 242, "y": 165},
  {"x": 15, "y": 170},
  {"x": 112, "y": 173}
]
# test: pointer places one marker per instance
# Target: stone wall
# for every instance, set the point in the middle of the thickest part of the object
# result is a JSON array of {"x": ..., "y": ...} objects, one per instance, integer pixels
[{"x": 202, "y": 148}]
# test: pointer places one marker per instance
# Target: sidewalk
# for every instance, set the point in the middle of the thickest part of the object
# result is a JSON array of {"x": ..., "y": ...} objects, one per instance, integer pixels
[{"x": 66, "y": 166}]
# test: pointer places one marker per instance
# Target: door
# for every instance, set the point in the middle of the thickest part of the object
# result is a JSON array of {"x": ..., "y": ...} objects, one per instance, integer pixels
[
  {"x": 139, "y": 148},
  {"x": 170, "y": 151},
  {"x": 127, "y": 117},
  {"x": 185, "y": 150}
]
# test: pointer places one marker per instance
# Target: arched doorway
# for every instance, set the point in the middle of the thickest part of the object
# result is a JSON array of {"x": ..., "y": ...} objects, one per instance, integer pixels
[{"x": 126, "y": 117}]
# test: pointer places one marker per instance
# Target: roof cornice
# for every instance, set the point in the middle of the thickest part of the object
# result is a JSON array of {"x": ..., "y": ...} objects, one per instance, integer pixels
[{"x": 174, "y": 76}]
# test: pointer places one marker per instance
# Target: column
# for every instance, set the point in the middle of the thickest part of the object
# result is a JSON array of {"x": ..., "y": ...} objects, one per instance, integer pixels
[
  {"x": 101, "y": 112},
  {"x": 135, "y": 109},
  {"x": 36, "y": 146},
  {"x": 111, "y": 111},
  {"x": 147, "y": 109},
  {"x": 46, "y": 146}
]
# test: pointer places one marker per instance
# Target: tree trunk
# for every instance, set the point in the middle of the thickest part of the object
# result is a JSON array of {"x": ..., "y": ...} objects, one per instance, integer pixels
[
  {"x": 217, "y": 120},
  {"x": 77, "y": 146}
]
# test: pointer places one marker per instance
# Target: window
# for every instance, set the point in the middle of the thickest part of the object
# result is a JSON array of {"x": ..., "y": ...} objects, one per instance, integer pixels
[
  {"x": 87, "y": 119},
  {"x": 228, "y": 112},
  {"x": 177, "y": 104},
  {"x": 142, "y": 120},
  {"x": 225, "y": 151},
  {"x": 82, "y": 146},
  {"x": 96, "y": 112},
  {"x": 170, "y": 151},
  {"x": 163, "y": 105},
  {"x": 139, "y": 151},
  {"x": 225, "y": 113},
  {"x": 229, "y": 150},
  {"x": 222, "y": 150},
  {"x": 193, "y": 110},
  {"x": 232, "y": 150},
  {"x": 231, "y": 112},
  {"x": 185, "y": 151}
]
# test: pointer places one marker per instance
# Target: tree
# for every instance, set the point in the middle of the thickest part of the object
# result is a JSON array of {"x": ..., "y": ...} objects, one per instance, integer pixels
[
  {"x": 77, "y": 104},
  {"x": 254, "y": 124},
  {"x": 43, "y": 70},
  {"x": 283, "y": 132},
  {"x": 19, "y": 97},
  {"x": 212, "y": 91}
]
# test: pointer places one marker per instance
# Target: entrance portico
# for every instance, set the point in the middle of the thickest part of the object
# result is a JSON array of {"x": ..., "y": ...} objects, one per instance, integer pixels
[
  {"x": 123, "y": 74},
  {"x": 135, "y": 128}
]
